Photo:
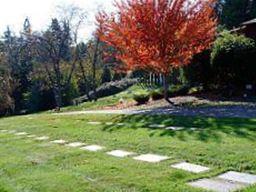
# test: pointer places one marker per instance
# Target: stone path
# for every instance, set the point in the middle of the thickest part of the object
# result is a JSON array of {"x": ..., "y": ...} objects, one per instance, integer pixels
[
  {"x": 43, "y": 138},
  {"x": 94, "y": 123},
  {"x": 93, "y": 148},
  {"x": 75, "y": 144},
  {"x": 61, "y": 142},
  {"x": 190, "y": 167},
  {"x": 151, "y": 158},
  {"x": 217, "y": 185},
  {"x": 21, "y": 133},
  {"x": 120, "y": 153},
  {"x": 227, "y": 182}
]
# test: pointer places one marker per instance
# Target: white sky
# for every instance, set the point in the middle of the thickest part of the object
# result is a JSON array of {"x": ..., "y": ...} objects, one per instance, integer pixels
[{"x": 40, "y": 12}]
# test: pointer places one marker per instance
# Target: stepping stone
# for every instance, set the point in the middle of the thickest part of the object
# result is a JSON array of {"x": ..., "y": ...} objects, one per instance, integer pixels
[
  {"x": 157, "y": 126},
  {"x": 239, "y": 177},
  {"x": 218, "y": 185},
  {"x": 190, "y": 167},
  {"x": 3, "y": 131},
  {"x": 120, "y": 124},
  {"x": 109, "y": 123},
  {"x": 12, "y": 131},
  {"x": 75, "y": 144},
  {"x": 175, "y": 128},
  {"x": 92, "y": 148},
  {"x": 21, "y": 133},
  {"x": 151, "y": 158},
  {"x": 120, "y": 153},
  {"x": 31, "y": 136},
  {"x": 43, "y": 138},
  {"x": 193, "y": 128},
  {"x": 94, "y": 123},
  {"x": 61, "y": 142}
]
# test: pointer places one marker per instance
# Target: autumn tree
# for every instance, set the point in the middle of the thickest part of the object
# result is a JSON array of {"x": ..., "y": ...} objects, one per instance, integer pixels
[{"x": 158, "y": 35}]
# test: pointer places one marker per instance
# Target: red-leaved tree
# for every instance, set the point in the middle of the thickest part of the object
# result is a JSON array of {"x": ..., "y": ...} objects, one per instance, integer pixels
[{"x": 158, "y": 35}]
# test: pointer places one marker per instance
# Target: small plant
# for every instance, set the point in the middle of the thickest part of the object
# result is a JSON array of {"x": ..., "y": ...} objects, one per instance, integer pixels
[
  {"x": 194, "y": 90},
  {"x": 157, "y": 95},
  {"x": 178, "y": 90},
  {"x": 141, "y": 98}
]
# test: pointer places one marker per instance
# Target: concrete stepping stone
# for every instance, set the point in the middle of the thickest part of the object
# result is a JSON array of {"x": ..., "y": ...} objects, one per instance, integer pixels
[
  {"x": 157, "y": 126},
  {"x": 151, "y": 158},
  {"x": 12, "y": 131},
  {"x": 120, "y": 124},
  {"x": 190, "y": 167},
  {"x": 120, "y": 153},
  {"x": 175, "y": 128},
  {"x": 94, "y": 123},
  {"x": 60, "y": 141},
  {"x": 43, "y": 138},
  {"x": 218, "y": 185},
  {"x": 75, "y": 144},
  {"x": 31, "y": 136},
  {"x": 239, "y": 177},
  {"x": 21, "y": 133},
  {"x": 93, "y": 148},
  {"x": 109, "y": 123}
]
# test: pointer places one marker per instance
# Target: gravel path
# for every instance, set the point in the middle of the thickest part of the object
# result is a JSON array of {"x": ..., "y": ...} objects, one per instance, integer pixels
[{"x": 213, "y": 111}]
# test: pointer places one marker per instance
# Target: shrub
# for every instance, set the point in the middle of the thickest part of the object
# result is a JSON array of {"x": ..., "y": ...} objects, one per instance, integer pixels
[
  {"x": 178, "y": 90},
  {"x": 195, "y": 90},
  {"x": 141, "y": 98},
  {"x": 195, "y": 72},
  {"x": 233, "y": 60},
  {"x": 157, "y": 94}
]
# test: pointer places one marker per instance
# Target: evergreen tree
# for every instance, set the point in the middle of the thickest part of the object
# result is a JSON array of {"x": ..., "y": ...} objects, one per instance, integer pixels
[
  {"x": 106, "y": 76},
  {"x": 234, "y": 12}
]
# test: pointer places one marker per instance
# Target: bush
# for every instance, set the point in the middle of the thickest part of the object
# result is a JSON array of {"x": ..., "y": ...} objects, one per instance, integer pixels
[
  {"x": 233, "y": 60},
  {"x": 196, "y": 71},
  {"x": 156, "y": 95},
  {"x": 108, "y": 89},
  {"x": 141, "y": 98},
  {"x": 178, "y": 90}
]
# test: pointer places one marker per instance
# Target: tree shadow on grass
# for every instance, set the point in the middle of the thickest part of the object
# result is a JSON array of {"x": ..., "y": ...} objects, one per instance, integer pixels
[{"x": 207, "y": 129}]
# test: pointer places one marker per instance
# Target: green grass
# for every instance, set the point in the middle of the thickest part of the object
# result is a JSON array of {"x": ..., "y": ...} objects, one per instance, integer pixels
[
  {"x": 30, "y": 166},
  {"x": 107, "y": 101}
]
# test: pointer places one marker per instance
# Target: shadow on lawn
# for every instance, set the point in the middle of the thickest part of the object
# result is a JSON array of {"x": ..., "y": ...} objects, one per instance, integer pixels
[{"x": 207, "y": 128}]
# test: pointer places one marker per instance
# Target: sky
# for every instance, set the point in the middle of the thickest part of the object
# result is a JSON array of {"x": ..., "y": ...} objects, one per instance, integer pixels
[{"x": 40, "y": 12}]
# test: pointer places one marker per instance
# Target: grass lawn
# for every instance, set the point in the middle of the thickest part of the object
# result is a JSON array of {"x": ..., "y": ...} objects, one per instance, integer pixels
[
  {"x": 107, "y": 101},
  {"x": 27, "y": 165}
]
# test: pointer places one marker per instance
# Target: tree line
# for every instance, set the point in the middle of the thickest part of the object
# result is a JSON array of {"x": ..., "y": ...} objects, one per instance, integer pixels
[{"x": 42, "y": 70}]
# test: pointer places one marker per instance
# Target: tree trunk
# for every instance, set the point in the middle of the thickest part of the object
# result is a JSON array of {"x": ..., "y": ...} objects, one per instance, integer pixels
[
  {"x": 166, "y": 88},
  {"x": 95, "y": 56},
  {"x": 57, "y": 96}
]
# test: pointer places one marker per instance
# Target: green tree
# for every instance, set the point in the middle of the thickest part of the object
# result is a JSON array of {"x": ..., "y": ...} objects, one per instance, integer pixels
[{"x": 234, "y": 12}]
